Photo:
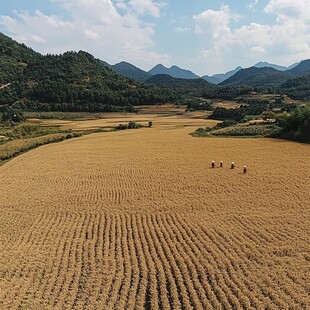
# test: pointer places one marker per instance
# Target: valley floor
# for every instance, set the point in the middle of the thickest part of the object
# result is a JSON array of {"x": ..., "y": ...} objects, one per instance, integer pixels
[{"x": 137, "y": 219}]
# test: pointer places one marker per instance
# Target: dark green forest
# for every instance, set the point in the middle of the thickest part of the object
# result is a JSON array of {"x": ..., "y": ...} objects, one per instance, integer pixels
[
  {"x": 184, "y": 87},
  {"x": 297, "y": 87},
  {"x": 74, "y": 81}
]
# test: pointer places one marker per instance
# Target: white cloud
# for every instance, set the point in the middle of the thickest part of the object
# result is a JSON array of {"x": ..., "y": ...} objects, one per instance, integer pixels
[
  {"x": 258, "y": 49},
  {"x": 289, "y": 9},
  {"x": 284, "y": 40},
  {"x": 252, "y": 5},
  {"x": 147, "y": 7},
  {"x": 214, "y": 23},
  {"x": 181, "y": 29},
  {"x": 95, "y": 26}
]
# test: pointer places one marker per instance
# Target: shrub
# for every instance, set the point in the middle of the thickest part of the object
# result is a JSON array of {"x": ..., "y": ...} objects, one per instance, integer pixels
[{"x": 130, "y": 125}]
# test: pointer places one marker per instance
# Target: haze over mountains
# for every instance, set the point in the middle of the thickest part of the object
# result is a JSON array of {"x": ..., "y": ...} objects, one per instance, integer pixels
[{"x": 128, "y": 70}]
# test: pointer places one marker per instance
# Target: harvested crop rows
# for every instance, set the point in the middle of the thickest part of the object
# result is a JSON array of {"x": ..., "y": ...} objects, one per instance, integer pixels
[{"x": 138, "y": 220}]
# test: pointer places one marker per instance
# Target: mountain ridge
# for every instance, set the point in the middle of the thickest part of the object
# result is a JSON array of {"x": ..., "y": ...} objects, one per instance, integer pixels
[
  {"x": 173, "y": 71},
  {"x": 72, "y": 81}
]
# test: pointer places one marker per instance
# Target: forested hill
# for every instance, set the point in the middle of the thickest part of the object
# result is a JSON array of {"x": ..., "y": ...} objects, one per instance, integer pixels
[
  {"x": 192, "y": 87},
  {"x": 303, "y": 68},
  {"x": 258, "y": 77},
  {"x": 14, "y": 57},
  {"x": 74, "y": 81},
  {"x": 128, "y": 70}
]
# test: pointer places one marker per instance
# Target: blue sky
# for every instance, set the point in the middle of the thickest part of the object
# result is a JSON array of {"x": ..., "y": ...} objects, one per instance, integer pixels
[{"x": 205, "y": 36}]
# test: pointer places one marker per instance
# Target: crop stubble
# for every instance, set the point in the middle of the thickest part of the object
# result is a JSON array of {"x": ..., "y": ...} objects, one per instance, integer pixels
[{"x": 137, "y": 219}]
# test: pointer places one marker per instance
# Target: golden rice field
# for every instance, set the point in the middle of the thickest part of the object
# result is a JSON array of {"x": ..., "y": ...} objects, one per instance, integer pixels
[{"x": 137, "y": 219}]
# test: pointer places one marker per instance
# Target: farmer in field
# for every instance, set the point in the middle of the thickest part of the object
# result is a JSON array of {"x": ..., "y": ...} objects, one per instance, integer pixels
[
  {"x": 232, "y": 165},
  {"x": 244, "y": 169},
  {"x": 221, "y": 164},
  {"x": 212, "y": 164}
]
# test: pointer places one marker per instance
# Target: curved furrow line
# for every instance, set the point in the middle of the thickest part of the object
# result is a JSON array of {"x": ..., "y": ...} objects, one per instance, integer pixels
[
  {"x": 27, "y": 271},
  {"x": 66, "y": 264},
  {"x": 57, "y": 234},
  {"x": 181, "y": 254},
  {"x": 200, "y": 260},
  {"x": 24, "y": 239},
  {"x": 242, "y": 269},
  {"x": 88, "y": 278},
  {"x": 246, "y": 263},
  {"x": 8, "y": 222},
  {"x": 179, "y": 291},
  {"x": 282, "y": 289},
  {"x": 95, "y": 260},
  {"x": 235, "y": 247},
  {"x": 231, "y": 286},
  {"x": 142, "y": 285},
  {"x": 194, "y": 257},
  {"x": 162, "y": 290},
  {"x": 250, "y": 229},
  {"x": 231, "y": 269},
  {"x": 110, "y": 261},
  {"x": 251, "y": 261},
  {"x": 303, "y": 283},
  {"x": 120, "y": 266},
  {"x": 144, "y": 289},
  {"x": 151, "y": 297},
  {"x": 164, "y": 260},
  {"x": 212, "y": 263},
  {"x": 213, "y": 258},
  {"x": 124, "y": 288},
  {"x": 103, "y": 283},
  {"x": 76, "y": 276},
  {"x": 60, "y": 239},
  {"x": 133, "y": 261},
  {"x": 216, "y": 239}
]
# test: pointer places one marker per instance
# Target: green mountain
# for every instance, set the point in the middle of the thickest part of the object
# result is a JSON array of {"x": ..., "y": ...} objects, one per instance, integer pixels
[
  {"x": 173, "y": 71},
  {"x": 128, "y": 70},
  {"x": 297, "y": 87},
  {"x": 221, "y": 77},
  {"x": 74, "y": 81},
  {"x": 303, "y": 68},
  {"x": 190, "y": 87},
  {"x": 257, "y": 77},
  {"x": 263, "y": 64}
]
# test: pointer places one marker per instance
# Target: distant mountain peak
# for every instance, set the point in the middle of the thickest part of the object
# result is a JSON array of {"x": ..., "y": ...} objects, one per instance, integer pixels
[
  {"x": 221, "y": 77},
  {"x": 173, "y": 71},
  {"x": 128, "y": 70},
  {"x": 263, "y": 64}
]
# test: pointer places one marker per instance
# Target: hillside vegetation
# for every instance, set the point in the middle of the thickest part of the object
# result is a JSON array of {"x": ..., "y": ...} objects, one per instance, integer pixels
[
  {"x": 296, "y": 125},
  {"x": 257, "y": 77},
  {"x": 128, "y": 70},
  {"x": 185, "y": 87},
  {"x": 297, "y": 87},
  {"x": 14, "y": 57},
  {"x": 74, "y": 81}
]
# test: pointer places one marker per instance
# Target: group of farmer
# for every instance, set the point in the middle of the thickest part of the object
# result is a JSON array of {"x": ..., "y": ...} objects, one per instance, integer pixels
[{"x": 232, "y": 165}]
